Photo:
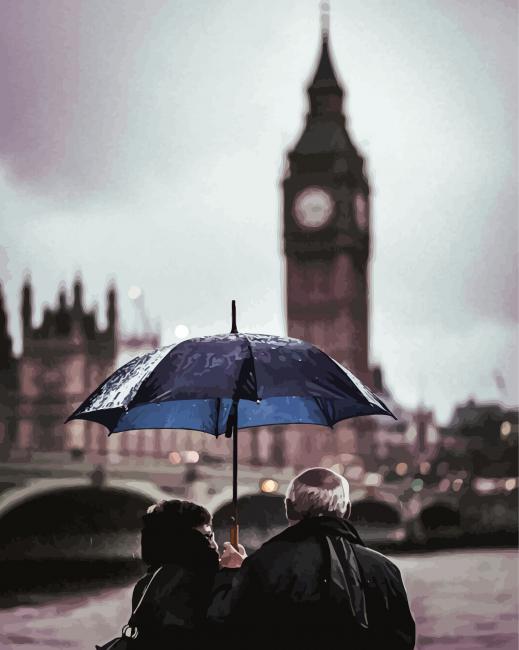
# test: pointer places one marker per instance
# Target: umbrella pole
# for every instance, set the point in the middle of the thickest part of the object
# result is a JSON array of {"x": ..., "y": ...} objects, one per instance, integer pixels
[
  {"x": 233, "y": 416},
  {"x": 235, "y": 527}
]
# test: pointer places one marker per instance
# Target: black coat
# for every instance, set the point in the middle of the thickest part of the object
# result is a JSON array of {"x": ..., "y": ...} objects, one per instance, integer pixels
[
  {"x": 175, "y": 605},
  {"x": 316, "y": 582}
]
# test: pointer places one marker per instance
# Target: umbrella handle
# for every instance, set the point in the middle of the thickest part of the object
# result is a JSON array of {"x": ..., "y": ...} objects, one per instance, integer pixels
[{"x": 235, "y": 532}]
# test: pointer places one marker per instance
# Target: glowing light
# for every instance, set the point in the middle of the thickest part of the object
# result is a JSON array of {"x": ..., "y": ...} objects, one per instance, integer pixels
[
  {"x": 506, "y": 429},
  {"x": 134, "y": 292},
  {"x": 510, "y": 484},
  {"x": 175, "y": 458},
  {"x": 372, "y": 479},
  {"x": 190, "y": 456},
  {"x": 401, "y": 469},
  {"x": 354, "y": 472},
  {"x": 181, "y": 331},
  {"x": 397, "y": 535},
  {"x": 444, "y": 485},
  {"x": 338, "y": 467},
  {"x": 457, "y": 484},
  {"x": 484, "y": 485},
  {"x": 425, "y": 468},
  {"x": 417, "y": 485},
  {"x": 269, "y": 485}
]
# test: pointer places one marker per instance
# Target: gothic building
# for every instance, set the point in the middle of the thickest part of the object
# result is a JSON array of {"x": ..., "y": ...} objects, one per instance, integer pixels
[
  {"x": 62, "y": 361},
  {"x": 8, "y": 385},
  {"x": 326, "y": 229},
  {"x": 326, "y": 238}
]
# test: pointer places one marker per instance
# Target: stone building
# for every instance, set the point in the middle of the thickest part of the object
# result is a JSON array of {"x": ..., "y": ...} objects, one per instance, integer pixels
[
  {"x": 326, "y": 238},
  {"x": 62, "y": 361},
  {"x": 8, "y": 385}
]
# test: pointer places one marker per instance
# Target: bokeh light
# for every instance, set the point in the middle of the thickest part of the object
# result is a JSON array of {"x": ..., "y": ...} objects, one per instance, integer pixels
[
  {"x": 417, "y": 485},
  {"x": 134, "y": 292},
  {"x": 181, "y": 331},
  {"x": 175, "y": 458},
  {"x": 401, "y": 469},
  {"x": 269, "y": 485},
  {"x": 372, "y": 479},
  {"x": 457, "y": 484},
  {"x": 444, "y": 485},
  {"x": 190, "y": 456},
  {"x": 425, "y": 468}
]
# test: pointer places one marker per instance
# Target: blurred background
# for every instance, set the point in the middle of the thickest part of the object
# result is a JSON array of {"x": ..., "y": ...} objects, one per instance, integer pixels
[{"x": 348, "y": 174}]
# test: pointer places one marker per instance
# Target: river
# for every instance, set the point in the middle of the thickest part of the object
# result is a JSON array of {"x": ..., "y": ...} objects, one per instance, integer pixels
[{"x": 462, "y": 600}]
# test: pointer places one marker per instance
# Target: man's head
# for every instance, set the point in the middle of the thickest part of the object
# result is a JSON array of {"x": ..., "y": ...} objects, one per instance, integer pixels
[{"x": 318, "y": 491}]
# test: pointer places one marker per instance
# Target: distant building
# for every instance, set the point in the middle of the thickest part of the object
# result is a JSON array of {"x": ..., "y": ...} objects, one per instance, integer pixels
[
  {"x": 326, "y": 236},
  {"x": 8, "y": 386},
  {"x": 487, "y": 435},
  {"x": 327, "y": 229},
  {"x": 62, "y": 361}
]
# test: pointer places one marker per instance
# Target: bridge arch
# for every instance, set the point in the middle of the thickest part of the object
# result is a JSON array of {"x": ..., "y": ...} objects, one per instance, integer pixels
[
  {"x": 371, "y": 510},
  {"x": 260, "y": 517},
  {"x": 72, "y": 519},
  {"x": 440, "y": 516},
  {"x": 15, "y": 497}
]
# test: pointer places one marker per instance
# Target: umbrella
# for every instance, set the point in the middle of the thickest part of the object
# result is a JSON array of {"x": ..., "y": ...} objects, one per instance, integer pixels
[{"x": 219, "y": 384}]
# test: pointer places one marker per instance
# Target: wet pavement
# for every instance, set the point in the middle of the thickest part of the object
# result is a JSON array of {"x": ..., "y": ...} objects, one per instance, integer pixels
[{"x": 461, "y": 600}]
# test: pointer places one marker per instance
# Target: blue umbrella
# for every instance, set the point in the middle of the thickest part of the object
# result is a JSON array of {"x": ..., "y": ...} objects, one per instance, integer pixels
[{"x": 219, "y": 384}]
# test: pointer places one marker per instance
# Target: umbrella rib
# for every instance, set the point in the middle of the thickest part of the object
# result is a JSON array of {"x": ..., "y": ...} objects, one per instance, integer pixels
[
  {"x": 328, "y": 421},
  {"x": 218, "y": 404},
  {"x": 253, "y": 365}
]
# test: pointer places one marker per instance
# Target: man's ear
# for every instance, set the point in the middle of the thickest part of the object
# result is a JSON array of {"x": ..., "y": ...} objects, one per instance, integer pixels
[
  {"x": 292, "y": 514},
  {"x": 348, "y": 511}
]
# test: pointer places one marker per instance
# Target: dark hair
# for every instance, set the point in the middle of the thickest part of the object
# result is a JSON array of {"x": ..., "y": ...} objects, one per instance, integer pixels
[{"x": 168, "y": 530}]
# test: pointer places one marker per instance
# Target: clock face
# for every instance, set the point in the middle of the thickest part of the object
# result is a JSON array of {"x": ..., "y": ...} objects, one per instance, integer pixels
[{"x": 313, "y": 208}]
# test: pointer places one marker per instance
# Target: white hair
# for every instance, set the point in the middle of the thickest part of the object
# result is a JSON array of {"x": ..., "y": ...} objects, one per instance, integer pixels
[{"x": 317, "y": 491}]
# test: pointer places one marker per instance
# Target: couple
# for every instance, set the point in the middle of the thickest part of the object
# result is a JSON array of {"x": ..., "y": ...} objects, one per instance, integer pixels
[{"x": 313, "y": 583}]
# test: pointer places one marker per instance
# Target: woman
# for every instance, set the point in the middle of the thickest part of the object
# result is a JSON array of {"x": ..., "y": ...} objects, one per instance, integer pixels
[{"x": 182, "y": 556}]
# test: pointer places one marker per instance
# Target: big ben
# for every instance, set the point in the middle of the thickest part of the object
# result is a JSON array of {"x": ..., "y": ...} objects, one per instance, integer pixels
[{"x": 327, "y": 229}]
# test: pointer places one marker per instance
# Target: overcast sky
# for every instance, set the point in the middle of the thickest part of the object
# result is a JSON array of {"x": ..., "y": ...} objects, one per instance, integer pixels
[{"x": 144, "y": 141}]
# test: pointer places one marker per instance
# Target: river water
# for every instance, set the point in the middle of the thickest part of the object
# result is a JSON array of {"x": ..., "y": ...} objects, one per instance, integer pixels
[{"x": 462, "y": 600}]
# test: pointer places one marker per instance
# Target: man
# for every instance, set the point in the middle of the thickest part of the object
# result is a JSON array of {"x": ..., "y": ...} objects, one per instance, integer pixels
[{"x": 316, "y": 580}]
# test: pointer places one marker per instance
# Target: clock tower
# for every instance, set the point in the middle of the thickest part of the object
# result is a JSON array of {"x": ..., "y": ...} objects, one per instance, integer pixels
[{"x": 326, "y": 228}]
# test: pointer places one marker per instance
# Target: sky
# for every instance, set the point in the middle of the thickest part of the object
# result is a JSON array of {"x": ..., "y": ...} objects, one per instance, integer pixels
[{"x": 145, "y": 142}]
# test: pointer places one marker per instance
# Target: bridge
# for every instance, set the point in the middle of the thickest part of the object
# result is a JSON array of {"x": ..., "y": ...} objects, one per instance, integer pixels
[{"x": 54, "y": 505}]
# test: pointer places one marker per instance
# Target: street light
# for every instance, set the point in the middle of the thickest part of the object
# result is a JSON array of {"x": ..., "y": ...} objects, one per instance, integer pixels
[
  {"x": 401, "y": 469},
  {"x": 506, "y": 429},
  {"x": 181, "y": 331},
  {"x": 269, "y": 486},
  {"x": 134, "y": 292}
]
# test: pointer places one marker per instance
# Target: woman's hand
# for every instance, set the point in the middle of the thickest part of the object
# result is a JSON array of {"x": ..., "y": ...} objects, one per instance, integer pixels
[{"x": 232, "y": 558}]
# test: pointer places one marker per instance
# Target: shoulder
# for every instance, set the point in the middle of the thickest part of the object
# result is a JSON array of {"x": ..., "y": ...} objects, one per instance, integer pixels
[
  {"x": 281, "y": 554},
  {"x": 139, "y": 589},
  {"x": 163, "y": 579},
  {"x": 375, "y": 563}
]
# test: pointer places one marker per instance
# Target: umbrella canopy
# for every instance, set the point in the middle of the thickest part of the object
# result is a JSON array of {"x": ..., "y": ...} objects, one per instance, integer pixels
[{"x": 203, "y": 383}]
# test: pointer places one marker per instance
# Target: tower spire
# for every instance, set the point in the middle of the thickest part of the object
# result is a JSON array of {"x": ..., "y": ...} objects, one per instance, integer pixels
[
  {"x": 27, "y": 306},
  {"x": 324, "y": 91},
  {"x": 5, "y": 340},
  {"x": 324, "y": 8}
]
